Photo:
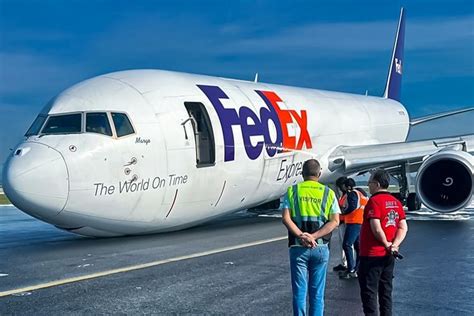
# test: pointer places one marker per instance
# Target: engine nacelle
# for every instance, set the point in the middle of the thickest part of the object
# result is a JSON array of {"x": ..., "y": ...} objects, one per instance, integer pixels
[{"x": 445, "y": 181}]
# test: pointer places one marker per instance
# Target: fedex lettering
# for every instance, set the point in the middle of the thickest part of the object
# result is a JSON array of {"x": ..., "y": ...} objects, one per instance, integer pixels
[{"x": 273, "y": 115}]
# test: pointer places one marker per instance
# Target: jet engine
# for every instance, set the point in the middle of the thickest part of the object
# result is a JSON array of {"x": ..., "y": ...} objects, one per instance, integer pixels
[{"x": 445, "y": 181}]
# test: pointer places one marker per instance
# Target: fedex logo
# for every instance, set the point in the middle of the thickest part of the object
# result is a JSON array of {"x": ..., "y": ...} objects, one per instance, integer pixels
[{"x": 273, "y": 115}]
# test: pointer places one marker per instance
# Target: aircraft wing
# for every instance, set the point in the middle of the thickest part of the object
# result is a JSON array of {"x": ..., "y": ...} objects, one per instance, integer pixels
[
  {"x": 360, "y": 159},
  {"x": 445, "y": 169}
]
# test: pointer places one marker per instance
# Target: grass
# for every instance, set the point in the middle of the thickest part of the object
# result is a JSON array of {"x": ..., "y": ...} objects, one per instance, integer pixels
[{"x": 3, "y": 199}]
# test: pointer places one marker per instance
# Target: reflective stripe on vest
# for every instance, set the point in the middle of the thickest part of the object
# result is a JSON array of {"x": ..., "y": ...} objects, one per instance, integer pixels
[
  {"x": 295, "y": 207},
  {"x": 342, "y": 205},
  {"x": 357, "y": 216}
]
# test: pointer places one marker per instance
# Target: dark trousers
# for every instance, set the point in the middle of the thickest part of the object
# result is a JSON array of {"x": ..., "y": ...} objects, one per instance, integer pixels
[{"x": 375, "y": 278}]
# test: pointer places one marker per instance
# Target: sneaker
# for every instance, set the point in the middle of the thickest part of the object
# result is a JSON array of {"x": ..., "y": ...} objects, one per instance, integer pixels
[
  {"x": 348, "y": 275},
  {"x": 339, "y": 268}
]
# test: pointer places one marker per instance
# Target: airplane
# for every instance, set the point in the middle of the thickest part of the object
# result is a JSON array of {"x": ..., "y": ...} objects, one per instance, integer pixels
[{"x": 148, "y": 151}]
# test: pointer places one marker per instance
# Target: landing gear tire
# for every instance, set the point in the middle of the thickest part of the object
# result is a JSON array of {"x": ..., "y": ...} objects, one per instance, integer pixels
[{"x": 413, "y": 202}]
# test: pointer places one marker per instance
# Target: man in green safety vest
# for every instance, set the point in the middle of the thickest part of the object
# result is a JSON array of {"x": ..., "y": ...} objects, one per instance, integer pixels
[{"x": 310, "y": 213}]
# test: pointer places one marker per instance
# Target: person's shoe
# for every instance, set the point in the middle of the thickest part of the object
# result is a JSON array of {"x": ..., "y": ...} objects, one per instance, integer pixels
[
  {"x": 348, "y": 275},
  {"x": 339, "y": 268}
]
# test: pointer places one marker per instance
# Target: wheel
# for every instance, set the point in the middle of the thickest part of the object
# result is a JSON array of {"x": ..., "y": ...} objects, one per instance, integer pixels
[{"x": 413, "y": 202}]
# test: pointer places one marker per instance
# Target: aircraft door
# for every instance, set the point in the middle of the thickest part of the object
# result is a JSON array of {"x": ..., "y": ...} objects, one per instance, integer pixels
[
  {"x": 192, "y": 184},
  {"x": 203, "y": 134}
]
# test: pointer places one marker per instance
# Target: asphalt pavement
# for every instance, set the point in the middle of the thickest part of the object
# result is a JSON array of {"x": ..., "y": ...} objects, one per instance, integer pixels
[{"x": 237, "y": 265}]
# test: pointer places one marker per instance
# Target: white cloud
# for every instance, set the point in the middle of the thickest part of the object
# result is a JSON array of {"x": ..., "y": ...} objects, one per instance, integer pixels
[
  {"x": 29, "y": 73},
  {"x": 341, "y": 38},
  {"x": 443, "y": 35},
  {"x": 338, "y": 50}
]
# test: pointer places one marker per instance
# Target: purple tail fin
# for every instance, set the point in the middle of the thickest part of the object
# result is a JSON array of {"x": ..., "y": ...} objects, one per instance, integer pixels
[{"x": 394, "y": 80}]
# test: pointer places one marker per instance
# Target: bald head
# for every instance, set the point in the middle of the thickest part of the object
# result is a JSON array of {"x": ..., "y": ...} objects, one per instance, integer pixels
[{"x": 311, "y": 169}]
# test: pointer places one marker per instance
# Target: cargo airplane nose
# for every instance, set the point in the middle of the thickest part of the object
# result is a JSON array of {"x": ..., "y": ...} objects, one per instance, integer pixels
[{"x": 35, "y": 179}]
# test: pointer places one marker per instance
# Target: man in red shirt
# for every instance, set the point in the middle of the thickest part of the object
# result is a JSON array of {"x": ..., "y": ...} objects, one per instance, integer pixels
[{"x": 383, "y": 230}]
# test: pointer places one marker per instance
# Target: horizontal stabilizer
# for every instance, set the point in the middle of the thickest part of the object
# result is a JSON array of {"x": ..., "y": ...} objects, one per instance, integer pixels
[{"x": 436, "y": 116}]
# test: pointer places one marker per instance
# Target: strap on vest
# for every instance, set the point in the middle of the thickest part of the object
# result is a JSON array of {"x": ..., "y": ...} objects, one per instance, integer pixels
[
  {"x": 359, "y": 198},
  {"x": 324, "y": 202},
  {"x": 297, "y": 205},
  {"x": 320, "y": 241},
  {"x": 297, "y": 210}
]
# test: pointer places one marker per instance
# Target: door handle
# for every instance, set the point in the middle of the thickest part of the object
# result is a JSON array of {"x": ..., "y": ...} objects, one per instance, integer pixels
[{"x": 194, "y": 125}]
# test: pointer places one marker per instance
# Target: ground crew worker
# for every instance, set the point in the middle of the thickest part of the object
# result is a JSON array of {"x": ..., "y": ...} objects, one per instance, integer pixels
[
  {"x": 310, "y": 213},
  {"x": 341, "y": 228},
  {"x": 353, "y": 216},
  {"x": 383, "y": 230}
]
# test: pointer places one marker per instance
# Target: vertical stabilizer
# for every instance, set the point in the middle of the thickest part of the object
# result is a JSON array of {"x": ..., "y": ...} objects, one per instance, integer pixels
[{"x": 394, "y": 80}]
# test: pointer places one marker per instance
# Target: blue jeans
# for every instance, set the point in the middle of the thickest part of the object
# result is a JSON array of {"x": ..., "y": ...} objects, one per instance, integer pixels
[
  {"x": 351, "y": 238},
  {"x": 308, "y": 272}
]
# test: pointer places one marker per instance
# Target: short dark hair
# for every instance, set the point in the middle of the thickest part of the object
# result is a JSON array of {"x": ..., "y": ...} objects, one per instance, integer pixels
[
  {"x": 340, "y": 181},
  {"x": 350, "y": 183},
  {"x": 382, "y": 177},
  {"x": 311, "y": 168}
]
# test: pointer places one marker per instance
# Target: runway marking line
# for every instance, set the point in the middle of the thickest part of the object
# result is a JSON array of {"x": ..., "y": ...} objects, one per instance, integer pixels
[{"x": 136, "y": 267}]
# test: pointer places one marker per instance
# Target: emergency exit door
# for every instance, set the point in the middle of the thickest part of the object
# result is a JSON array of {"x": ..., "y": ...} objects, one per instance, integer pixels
[{"x": 203, "y": 134}]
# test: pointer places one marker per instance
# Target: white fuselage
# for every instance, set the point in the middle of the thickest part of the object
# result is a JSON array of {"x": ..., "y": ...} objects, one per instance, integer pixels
[{"x": 149, "y": 181}]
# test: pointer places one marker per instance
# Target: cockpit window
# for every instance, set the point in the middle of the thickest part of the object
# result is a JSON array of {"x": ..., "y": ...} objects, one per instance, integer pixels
[
  {"x": 63, "y": 124},
  {"x": 36, "y": 126},
  {"x": 122, "y": 124},
  {"x": 98, "y": 123}
]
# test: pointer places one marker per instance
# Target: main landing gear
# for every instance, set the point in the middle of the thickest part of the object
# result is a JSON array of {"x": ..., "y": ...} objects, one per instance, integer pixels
[{"x": 410, "y": 200}]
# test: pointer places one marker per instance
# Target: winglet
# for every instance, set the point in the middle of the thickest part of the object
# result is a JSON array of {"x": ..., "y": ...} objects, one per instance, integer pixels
[{"x": 394, "y": 80}]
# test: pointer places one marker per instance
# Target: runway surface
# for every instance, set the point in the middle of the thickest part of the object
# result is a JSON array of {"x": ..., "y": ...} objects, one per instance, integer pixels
[{"x": 251, "y": 277}]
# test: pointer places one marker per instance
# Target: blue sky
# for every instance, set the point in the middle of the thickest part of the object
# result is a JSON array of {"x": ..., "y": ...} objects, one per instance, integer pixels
[{"x": 46, "y": 46}]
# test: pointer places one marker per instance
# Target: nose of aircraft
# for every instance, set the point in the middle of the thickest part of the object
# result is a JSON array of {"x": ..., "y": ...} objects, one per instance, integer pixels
[{"x": 35, "y": 179}]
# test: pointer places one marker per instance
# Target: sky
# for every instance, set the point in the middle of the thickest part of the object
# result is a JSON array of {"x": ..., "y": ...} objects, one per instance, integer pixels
[{"x": 48, "y": 45}]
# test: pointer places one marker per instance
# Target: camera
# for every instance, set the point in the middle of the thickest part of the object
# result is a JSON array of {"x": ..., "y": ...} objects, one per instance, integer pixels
[{"x": 397, "y": 255}]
